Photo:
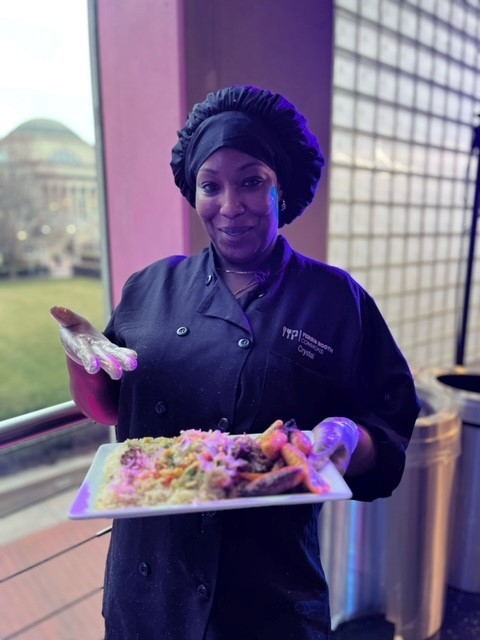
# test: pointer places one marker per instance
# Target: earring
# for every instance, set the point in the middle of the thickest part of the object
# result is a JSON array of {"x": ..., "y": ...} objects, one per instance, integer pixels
[{"x": 283, "y": 205}]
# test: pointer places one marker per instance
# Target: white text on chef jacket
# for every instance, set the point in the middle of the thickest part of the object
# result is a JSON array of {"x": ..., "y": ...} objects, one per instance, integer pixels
[{"x": 308, "y": 346}]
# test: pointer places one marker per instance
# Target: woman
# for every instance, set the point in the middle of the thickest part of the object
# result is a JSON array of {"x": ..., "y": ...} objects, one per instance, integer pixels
[{"x": 244, "y": 333}]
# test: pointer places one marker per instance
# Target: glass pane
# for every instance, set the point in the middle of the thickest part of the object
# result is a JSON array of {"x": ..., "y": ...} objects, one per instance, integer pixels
[
  {"x": 345, "y": 32},
  {"x": 339, "y": 218},
  {"x": 49, "y": 214},
  {"x": 344, "y": 72},
  {"x": 444, "y": 8},
  {"x": 469, "y": 80},
  {"x": 367, "y": 79},
  {"x": 400, "y": 188},
  {"x": 362, "y": 185},
  {"x": 408, "y": 21},
  {"x": 423, "y": 96},
  {"x": 455, "y": 76},
  {"x": 439, "y": 97},
  {"x": 361, "y": 253},
  {"x": 390, "y": 11},
  {"x": 404, "y": 124},
  {"x": 368, "y": 41},
  {"x": 399, "y": 220},
  {"x": 440, "y": 70},
  {"x": 382, "y": 184},
  {"x": 342, "y": 147},
  {"x": 425, "y": 30},
  {"x": 453, "y": 105},
  {"x": 471, "y": 53},
  {"x": 370, "y": 9},
  {"x": 420, "y": 128},
  {"x": 364, "y": 151},
  {"x": 385, "y": 121},
  {"x": 436, "y": 131},
  {"x": 456, "y": 46},
  {"x": 343, "y": 110},
  {"x": 425, "y": 63},
  {"x": 361, "y": 219},
  {"x": 338, "y": 253},
  {"x": 442, "y": 37},
  {"x": 380, "y": 220},
  {"x": 387, "y": 84},
  {"x": 388, "y": 49},
  {"x": 406, "y": 91},
  {"x": 365, "y": 114},
  {"x": 341, "y": 183},
  {"x": 351, "y": 5}
]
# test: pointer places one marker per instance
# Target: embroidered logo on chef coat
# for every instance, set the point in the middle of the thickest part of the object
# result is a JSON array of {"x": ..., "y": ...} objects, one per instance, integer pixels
[{"x": 307, "y": 346}]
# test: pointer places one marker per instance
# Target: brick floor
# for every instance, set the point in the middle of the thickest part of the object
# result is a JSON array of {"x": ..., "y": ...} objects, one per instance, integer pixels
[{"x": 58, "y": 600}]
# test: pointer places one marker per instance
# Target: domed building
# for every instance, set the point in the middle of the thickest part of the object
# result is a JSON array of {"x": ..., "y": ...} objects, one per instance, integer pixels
[{"x": 48, "y": 199}]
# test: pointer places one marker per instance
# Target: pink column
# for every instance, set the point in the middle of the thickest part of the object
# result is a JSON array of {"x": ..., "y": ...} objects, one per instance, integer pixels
[{"x": 141, "y": 66}]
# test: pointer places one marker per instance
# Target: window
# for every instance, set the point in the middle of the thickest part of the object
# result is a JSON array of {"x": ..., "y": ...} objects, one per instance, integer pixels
[
  {"x": 405, "y": 201},
  {"x": 49, "y": 209}
]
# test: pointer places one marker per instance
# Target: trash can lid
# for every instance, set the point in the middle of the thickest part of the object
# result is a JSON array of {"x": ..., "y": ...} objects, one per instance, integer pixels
[
  {"x": 465, "y": 386},
  {"x": 436, "y": 436}
]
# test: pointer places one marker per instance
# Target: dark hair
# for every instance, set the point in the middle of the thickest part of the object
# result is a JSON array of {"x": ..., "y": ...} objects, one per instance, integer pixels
[{"x": 283, "y": 122}]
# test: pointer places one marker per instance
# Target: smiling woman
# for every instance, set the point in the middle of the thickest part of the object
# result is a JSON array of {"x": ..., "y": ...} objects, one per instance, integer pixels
[{"x": 214, "y": 341}]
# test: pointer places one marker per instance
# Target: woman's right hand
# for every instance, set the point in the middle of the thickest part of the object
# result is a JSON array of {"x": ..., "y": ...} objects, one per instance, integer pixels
[{"x": 86, "y": 346}]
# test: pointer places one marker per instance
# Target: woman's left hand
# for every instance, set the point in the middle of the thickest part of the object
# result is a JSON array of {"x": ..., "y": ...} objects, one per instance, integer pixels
[{"x": 335, "y": 439}]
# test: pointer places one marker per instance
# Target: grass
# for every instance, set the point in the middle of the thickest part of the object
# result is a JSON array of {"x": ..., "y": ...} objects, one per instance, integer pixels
[{"x": 32, "y": 361}]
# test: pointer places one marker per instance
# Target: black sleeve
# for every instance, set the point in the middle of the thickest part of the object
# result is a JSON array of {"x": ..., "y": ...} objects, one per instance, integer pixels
[
  {"x": 111, "y": 331},
  {"x": 384, "y": 401}
]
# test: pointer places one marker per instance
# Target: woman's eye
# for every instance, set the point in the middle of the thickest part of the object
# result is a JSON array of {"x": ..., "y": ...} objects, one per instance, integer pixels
[
  {"x": 252, "y": 182},
  {"x": 209, "y": 187}
]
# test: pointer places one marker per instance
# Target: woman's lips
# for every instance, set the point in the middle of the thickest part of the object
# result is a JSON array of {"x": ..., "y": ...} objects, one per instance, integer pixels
[{"x": 235, "y": 232}]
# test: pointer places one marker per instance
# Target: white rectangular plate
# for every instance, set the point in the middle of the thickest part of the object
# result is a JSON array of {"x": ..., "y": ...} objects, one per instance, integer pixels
[{"x": 83, "y": 506}]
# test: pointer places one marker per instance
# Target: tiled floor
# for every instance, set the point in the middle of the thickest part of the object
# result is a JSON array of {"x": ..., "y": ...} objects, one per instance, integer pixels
[
  {"x": 462, "y": 616},
  {"x": 461, "y": 622}
]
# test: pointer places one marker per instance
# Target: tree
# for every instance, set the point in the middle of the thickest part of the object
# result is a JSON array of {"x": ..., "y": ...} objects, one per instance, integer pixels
[{"x": 20, "y": 213}]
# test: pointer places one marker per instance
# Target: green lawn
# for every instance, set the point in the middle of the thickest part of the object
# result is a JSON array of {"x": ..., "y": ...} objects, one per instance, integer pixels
[{"x": 32, "y": 362}]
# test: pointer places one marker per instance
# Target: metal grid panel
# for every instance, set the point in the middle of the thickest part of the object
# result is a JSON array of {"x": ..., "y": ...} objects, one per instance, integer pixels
[{"x": 406, "y": 91}]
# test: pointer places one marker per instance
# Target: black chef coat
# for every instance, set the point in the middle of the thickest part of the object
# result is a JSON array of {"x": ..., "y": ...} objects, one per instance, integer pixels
[{"x": 307, "y": 344}]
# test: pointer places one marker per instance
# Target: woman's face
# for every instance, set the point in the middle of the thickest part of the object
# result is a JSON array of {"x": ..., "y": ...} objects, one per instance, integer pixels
[{"x": 237, "y": 200}]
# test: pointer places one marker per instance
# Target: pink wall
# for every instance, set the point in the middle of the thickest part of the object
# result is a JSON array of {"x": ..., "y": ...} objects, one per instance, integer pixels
[
  {"x": 141, "y": 62},
  {"x": 281, "y": 45},
  {"x": 156, "y": 59}
]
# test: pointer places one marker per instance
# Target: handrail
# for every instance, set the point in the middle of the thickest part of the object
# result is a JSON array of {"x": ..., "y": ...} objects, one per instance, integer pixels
[{"x": 59, "y": 417}]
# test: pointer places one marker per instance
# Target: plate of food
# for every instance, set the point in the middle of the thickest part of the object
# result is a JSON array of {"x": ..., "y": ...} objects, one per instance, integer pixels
[{"x": 199, "y": 471}]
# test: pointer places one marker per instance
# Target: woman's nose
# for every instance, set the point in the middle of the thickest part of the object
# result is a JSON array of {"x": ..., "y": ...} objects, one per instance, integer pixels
[{"x": 231, "y": 204}]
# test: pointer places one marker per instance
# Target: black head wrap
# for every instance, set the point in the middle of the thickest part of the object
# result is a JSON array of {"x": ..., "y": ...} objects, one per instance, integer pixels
[
  {"x": 237, "y": 130},
  {"x": 257, "y": 122}
]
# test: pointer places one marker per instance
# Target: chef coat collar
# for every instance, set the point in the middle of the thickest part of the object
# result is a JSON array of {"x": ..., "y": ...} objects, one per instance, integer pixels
[{"x": 277, "y": 261}]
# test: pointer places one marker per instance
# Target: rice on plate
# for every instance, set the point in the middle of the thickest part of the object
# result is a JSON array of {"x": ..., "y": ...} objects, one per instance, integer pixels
[{"x": 196, "y": 466}]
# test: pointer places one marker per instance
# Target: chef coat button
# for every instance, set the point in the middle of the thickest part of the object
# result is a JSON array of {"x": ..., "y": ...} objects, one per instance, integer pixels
[
  {"x": 161, "y": 407},
  {"x": 208, "y": 279},
  {"x": 182, "y": 331},
  {"x": 243, "y": 343},
  {"x": 144, "y": 569},
  {"x": 202, "y": 591},
  {"x": 223, "y": 424}
]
